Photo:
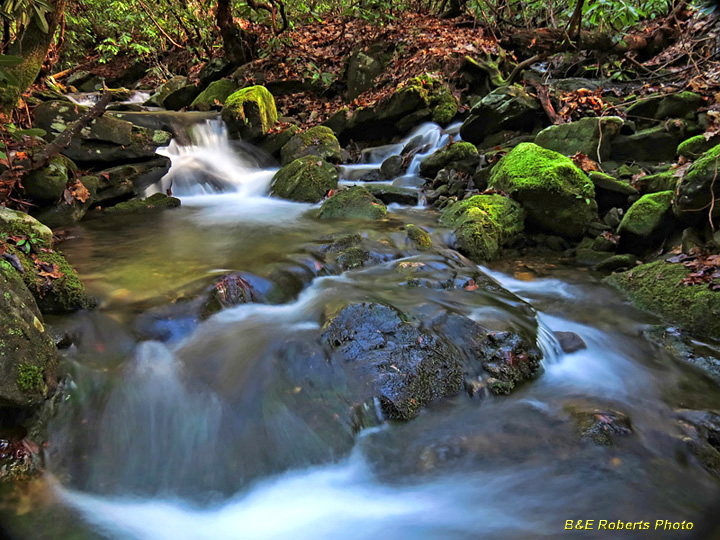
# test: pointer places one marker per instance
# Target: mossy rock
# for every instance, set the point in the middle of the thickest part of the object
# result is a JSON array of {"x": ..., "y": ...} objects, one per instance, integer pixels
[
  {"x": 696, "y": 146},
  {"x": 557, "y": 196},
  {"x": 17, "y": 223},
  {"x": 446, "y": 108},
  {"x": 418, "y": 237},
  {"x": 62, "y": 214},
  {"x": 307, "y": 179},
  {"x": 214, "y": 96},
  {"x": 461, "y": 156},
  {"x": 483, "y": 224},
  {"x": 699, "y": 187},
  {"x": 46, "y": 185},
  {"x": 272, "y": 143},
  {"x": 316, "y": 141},
  {"x": 605, "y": 182},
  {"x": 165, "y": 89},
  {"x": 250, "y": 112},
  {"x": 657, "y": 287},
  {"x": 28, "y": 357},
  {"x": 352, "y": 203},
  {"x": 647, "y": 215},
  {"x": 664, "y": 181},
  {"x": 158, "y": 201},
  {"x": 680, "y": 105},
  {"x": 587, "y": 135}
]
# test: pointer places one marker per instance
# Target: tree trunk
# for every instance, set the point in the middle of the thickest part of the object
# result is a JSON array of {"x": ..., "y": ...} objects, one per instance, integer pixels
[
  {"x": 32, "y": 46},
  {"x": 239, "y": 44}
]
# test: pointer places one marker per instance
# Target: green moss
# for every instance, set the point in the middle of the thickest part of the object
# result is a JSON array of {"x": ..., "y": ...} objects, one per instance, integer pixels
[
  {"x": 307, "y": 179},
  {"x": 483, "y": 224},
  {"x": 316, "y": 141},
  {"x": 250, "y": 112},
  {"x": 461, "y": 156},
  {"x": 46, "y": 185},
  {"x": 158, "y": 201},
  {"x": 17, "y": 223},
  {"x": 30, "y": 379},
  {"x": 352, "y": 203},
  {"x": 694, "y": 147},
  {"x": 664, "y": 181},
  {"x": 558, "y": 197},
  {"x": 446, "y": 108},
  {"x": 353, "y": 257},
  {"x": 215, "y": 94},
  {"x": 647, "y": 214},
  {"x": 657, "y": 287},
  {"x": 608, "y": 183},
  {"x": 418, "y": 236}
]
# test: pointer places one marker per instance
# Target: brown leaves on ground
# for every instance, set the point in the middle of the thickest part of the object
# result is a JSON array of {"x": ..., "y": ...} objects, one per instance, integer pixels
[
  {"x": 705, "y": 269},
  {"x": 581, "y": 103},
  {"x": 47, "y": 273},
  {"x": 585, "y": 163}
]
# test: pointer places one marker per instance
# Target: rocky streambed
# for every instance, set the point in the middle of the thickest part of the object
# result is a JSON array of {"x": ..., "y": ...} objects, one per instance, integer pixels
[{"x": 419, "y": 339}]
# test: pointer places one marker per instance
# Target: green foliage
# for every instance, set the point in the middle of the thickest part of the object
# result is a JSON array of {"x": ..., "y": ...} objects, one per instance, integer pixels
[{"x": 22, "y": 12}]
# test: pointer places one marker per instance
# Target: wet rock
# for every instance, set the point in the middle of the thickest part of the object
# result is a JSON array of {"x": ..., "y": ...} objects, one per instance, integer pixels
[
  {"x": 647, "y": 220},
  {"x": 557, "y": 196},
  {"x": 181, "y": 98},
  {"x": 352, "y": 203},
  {"x": 697, "y": 188},
  {"x": 702, "y": 437},
  {"x": 250, "y": 113},
  {"x": 106, "y": 140},
  {"x": 214, "y": 96},
  {"x": 393, "y": 194},
  {"x": 570, "y": 342},
  {"x": 460, "y": 156},
  {"x": 584, "y": 135},
  {"x": 507, "y": 107},
  {"x": 164, "y": 90},
  {"x": 156, "y": 202},
  {"x": 599, "y": 426},
  {"x": 586, "y": 255},
  {"x": 657, "y": 288},
  {"x": 28, "y": 357},
  {"x": 62, "y": 214},
  {"x": 118, "y": 183},
  {"x": 317, "y": 141},
  {"x": 406, "y": 367},
  {"x": 680, "y": 346},
  {"x": 483, "y": 224},
  {"x": 306, "y": 179},
  {"x": 653, "y": 144},
  {"x": 272, "y": 143},
  {"x": 235, "y": 289},
  {"x": 502, "y": 360},
  {"x": 46, "y": 185},
  {"x": 617, "y": 262},
  {"x": 392, "y": 167},
  {"x": 418, "y": 236}
]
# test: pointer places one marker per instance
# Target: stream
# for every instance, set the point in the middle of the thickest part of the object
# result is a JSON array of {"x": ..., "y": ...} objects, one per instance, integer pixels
[{"x": 175, "y": 428}]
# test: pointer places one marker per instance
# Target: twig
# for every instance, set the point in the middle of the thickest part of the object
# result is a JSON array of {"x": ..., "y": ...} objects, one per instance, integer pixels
[
  {"x": 163, "y": 32},
  {"x": 712, "y": 196}
]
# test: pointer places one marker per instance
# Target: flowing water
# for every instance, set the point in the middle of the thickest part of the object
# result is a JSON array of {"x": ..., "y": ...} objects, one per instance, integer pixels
[{"x": 176, "y": 428}]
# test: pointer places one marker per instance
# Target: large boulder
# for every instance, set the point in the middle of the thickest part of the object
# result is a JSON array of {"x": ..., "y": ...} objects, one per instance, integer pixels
[
  {"x": 460, "y": 156},
  {"x": 507, "y": 107},
  {"x": 164, "y": 90},
  {"x": 316, "y": 141},
  {"x": 699, "y": 187},
  {"x": 28, "y": 356},
  {"x": 250, "y": 113},
  {"x": 352, "y": 203},
  {"x": 590, "y": 136},
  {"x": 483, "y": 224},
  {"x": 122, "y": 182},
  {"x": 181, "y": 98},
  {"x": 405, "y": 367},
  {"x": 46, "y": 185},
  {"x": 106, "y": 140},
  {"x": 658, "y": 287},
  {"x": 215, "y": 95},
  {"x": 46, "y": 273},
  {"x": 654, "y": 144},
  {"x": 306, "y": 179},
  {"x": 696, "y": 146},
  {"x": 647, "y": 220},
  {"x": 558, "y": 197}
]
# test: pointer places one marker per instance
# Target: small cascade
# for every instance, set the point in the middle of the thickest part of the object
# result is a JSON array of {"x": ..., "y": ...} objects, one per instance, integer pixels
[
  {"x": 157, "y": 433},
  {"x": 211, "y": 165}
]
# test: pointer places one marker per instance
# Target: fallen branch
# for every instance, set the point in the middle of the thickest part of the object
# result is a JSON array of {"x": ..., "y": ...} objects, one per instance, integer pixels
[{"x": 544, "y": 97}]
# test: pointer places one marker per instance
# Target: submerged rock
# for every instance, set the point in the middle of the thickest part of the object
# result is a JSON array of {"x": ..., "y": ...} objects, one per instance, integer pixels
[
  {"x": 393, "y": 194},
  {"x": 600, "y": 426},
  {"x": 28, "y": 356},
  {"x": 159, "y": 201},
  {"x": 307, "y": 179},
  {"x": 558, "y": 197},
  {"x": 657, "y": 288},
  {"x": 418, "y": 236},
  {"x": 316, "y": 141},
  {"x": 250, "y": 113},
  {"x": 406, "y": 367},
  {"x": 483, "y": 224},
  {"x": 352, "y": 203}
]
